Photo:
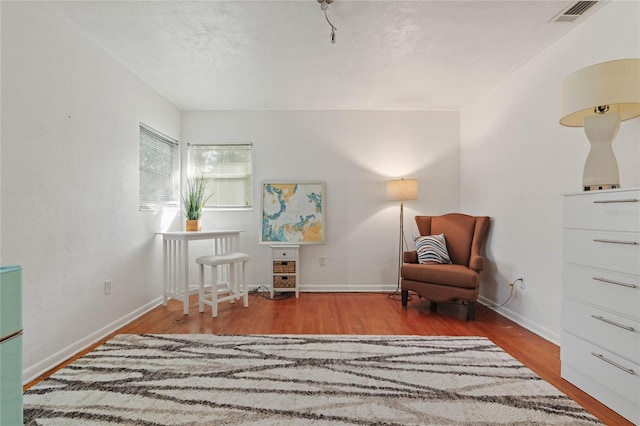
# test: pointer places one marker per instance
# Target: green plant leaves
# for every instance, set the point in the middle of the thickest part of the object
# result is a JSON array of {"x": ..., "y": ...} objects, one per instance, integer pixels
[{"x": 193, "y": 199}]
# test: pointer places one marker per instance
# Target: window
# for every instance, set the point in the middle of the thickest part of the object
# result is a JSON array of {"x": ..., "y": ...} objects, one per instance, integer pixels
[
  {"x": 159, "y": 169},
  {"x": 228, "y": 173}
]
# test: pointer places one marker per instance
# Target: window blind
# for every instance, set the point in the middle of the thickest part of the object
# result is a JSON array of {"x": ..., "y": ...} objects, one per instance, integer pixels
[
  {"x": 159, "y": 169},
  {"x": 228, "y": 173}
]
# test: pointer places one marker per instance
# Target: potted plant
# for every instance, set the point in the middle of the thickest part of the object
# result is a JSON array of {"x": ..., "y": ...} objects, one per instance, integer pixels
[{"x": 193, "y": 201}]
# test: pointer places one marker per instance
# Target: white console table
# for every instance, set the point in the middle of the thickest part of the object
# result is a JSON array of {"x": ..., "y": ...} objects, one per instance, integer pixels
[{"x": 175, "y": 255}]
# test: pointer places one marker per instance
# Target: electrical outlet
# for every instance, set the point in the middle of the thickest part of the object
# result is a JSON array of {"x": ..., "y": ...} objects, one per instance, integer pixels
[
  {"x": 323, "y": 261},
  {"x": 522, "y": 282},
  {"x": 107, "y": 287}
]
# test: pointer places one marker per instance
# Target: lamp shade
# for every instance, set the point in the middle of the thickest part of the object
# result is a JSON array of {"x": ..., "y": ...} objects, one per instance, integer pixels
[
  {"x": 402, "y": 189},
  {"x": 615, "y": 84}
]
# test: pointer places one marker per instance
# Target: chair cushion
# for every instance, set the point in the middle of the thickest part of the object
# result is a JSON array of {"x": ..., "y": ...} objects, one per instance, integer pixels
[
  {"x": 459, "y": 229},
  {"x": 432, "y": 249},
  {"x": 449, "y": 275}
]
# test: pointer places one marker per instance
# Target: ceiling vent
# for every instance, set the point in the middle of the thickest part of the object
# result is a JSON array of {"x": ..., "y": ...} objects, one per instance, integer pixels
[{"x": 573, "y": 12}]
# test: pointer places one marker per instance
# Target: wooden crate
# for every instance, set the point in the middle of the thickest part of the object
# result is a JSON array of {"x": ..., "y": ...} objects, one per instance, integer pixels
[
  {"x": 284, "y": 281},
  {"x": 284, "y": 267}
]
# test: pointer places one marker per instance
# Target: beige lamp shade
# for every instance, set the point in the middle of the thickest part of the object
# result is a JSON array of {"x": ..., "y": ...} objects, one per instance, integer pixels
[
  {"x": 402, "y": 189},
  {"x": 614, "y": 83},
  {"x": 598, "y": 98}
]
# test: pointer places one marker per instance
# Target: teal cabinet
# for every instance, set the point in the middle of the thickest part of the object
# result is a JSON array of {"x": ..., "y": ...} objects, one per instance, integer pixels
[{"x": 10, "y": 345}]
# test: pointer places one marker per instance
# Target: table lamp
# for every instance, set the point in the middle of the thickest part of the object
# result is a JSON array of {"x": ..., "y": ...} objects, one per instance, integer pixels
[
  {"x": 598, "y": 98},
  {"x": 401, "y": 190}
]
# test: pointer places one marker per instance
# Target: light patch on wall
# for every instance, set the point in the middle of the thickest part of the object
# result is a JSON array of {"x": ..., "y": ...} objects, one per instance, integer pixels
[
  {"x": 167, "y": 219},
  {"x": 393, "y": 159}
]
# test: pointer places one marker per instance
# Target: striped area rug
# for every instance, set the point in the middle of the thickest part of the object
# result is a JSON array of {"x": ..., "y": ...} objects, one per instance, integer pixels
[{"x": 298, "y": 380}]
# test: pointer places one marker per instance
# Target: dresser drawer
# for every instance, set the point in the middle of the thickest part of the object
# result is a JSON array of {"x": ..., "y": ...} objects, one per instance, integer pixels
[
  {"x": 284, "y": 253},
  {"x": 284, "y": 266},
  {"x": 605, "y": 210},
  {"x": 617, "y": 334},
  {"x": 284, "y": 281},
  {"x": 614, "y": 251},
  {"x": 610, "y": 290},
  {"x": 621, "y": 378}
]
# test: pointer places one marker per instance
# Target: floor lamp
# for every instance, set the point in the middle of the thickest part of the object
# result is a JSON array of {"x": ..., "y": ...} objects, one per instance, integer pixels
[{"x": 401, "y": 190}]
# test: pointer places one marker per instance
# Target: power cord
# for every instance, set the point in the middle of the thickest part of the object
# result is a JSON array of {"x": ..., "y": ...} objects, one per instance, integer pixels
[
  {"x": 261, "y": 290},
  {"x": 512, "y": 285},
  {"x": 395, "y": 293}
]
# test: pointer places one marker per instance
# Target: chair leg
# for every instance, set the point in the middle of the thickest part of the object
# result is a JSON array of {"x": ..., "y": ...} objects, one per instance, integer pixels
[
  {"x": 471, "y": 310},
  {"x": 405, "y": 297},
  {"x": 433, "y": 307},
  {"x": 201, "y": 290}
]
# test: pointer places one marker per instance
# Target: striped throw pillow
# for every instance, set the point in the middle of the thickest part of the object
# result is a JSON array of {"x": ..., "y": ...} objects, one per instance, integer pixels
[{"x": 432, "y": 249}]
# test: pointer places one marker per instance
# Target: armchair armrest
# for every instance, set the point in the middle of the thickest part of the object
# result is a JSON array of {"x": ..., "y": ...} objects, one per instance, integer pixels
[
  {"x": 410, "y": 257},
  {"x": 476, "y": 263}
]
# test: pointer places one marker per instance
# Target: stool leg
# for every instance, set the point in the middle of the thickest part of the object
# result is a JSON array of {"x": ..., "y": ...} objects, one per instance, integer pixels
[
  {"x": 237, "y": 283},
  {"x": 245, "y": 293},
  {"x": 214, "y": 291},
  {"x": 233, "y": 284},
  {"x": 201, "y": 290}
]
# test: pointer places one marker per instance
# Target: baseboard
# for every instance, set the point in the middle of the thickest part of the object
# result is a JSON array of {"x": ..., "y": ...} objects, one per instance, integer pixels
[
  {"x": 342, "y": 288},
  {"x": 38, "y": 369},
  {"x": 543, "y": 332}
]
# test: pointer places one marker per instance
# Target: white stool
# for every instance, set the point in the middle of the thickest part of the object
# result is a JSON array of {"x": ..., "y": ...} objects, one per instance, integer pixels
[{"x": 231, "y": 285}]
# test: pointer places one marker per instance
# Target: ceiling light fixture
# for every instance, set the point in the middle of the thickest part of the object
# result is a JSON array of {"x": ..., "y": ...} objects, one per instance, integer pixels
[{"x": 324, "y": 5}]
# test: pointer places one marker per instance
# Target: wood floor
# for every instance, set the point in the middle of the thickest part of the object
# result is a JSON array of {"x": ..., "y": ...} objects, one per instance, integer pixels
[{"x": 363, "y": 313}]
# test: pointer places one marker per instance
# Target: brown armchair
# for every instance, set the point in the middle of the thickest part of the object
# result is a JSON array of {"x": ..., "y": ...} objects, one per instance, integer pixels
[{"x": 459, "y": 280}]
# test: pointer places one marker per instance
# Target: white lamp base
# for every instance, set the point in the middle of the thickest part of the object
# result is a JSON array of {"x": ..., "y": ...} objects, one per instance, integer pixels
[{"x": 601, "y": 167}]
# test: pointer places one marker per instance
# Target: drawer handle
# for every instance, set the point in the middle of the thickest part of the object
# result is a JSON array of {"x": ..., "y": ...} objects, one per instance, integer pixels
[
  {"x": 604, "y": 280},
  {"x": 632, "y": 243},
  {"x": 608, "y": 321},
  {"x": 615, "y": 364},
  {"x": 624, "y": 200},
  {"x": 11, "y": 336}
]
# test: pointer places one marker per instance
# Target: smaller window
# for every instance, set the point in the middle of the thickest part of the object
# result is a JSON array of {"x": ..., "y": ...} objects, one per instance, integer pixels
[
  {"x": 159, "y": 169},
  {"x": 228, "y": 173}
]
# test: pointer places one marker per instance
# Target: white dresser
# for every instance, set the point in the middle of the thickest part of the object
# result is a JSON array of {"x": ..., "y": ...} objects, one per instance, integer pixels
[{"x": 600, "y": 350}]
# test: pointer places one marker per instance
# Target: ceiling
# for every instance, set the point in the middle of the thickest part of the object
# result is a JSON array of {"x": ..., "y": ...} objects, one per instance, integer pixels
[{"x": 268, "y": 54}]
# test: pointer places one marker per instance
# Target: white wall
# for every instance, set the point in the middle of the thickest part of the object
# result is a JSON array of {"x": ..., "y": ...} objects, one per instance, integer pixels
[
  {"x": 70, "y": 118},
  {"x": 69, "y": 174},
  {"x": 354, "y": 153},
  {"x": 516, "y": 160}
]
